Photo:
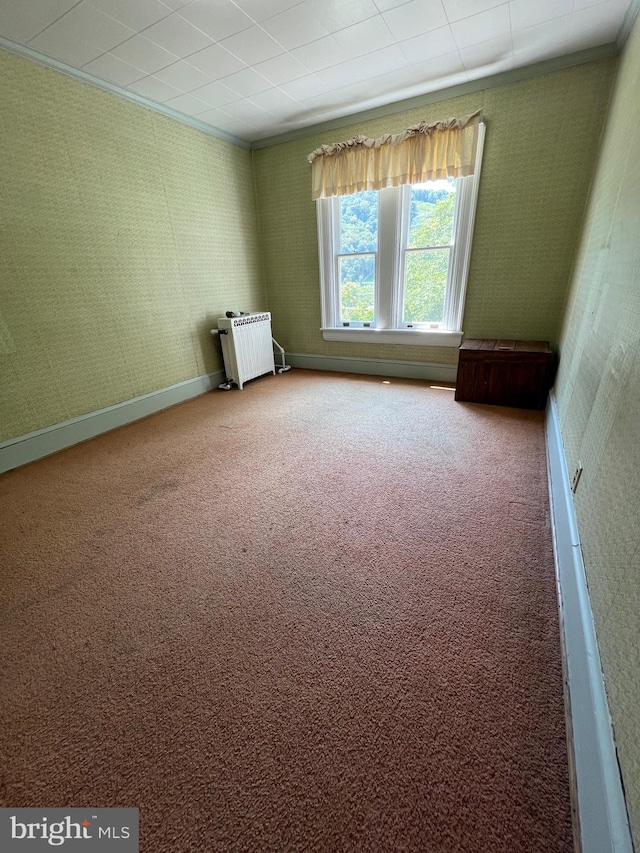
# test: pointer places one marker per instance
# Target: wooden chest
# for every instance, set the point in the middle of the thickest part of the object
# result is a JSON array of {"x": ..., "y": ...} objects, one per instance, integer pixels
[{"x": 505, "y": 373}]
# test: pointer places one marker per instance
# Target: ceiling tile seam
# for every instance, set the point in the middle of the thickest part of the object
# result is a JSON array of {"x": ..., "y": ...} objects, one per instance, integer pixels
[
  {"x": 104, "y": 52},
  {"x": 170, "y": 13},
  {"x": 44, "y": 29},
  {"x": 220, "y": 44}
]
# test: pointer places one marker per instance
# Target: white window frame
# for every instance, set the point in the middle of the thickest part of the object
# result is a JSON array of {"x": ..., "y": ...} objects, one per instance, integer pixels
[{"x": 393, "y": 210}]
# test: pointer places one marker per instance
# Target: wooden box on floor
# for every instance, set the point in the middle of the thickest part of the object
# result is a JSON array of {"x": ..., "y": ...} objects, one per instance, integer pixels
[{"x": 505, "y": 373}]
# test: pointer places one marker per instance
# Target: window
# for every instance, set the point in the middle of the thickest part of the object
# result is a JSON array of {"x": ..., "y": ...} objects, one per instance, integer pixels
[{"x": 394, "y": 262}]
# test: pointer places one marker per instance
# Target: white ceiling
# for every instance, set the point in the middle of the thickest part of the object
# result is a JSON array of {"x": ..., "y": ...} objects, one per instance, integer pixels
[{"x": 258, "y": 68}]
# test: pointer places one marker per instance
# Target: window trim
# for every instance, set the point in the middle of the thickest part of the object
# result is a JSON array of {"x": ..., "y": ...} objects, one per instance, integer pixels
[{"x": 387, "y": 298}]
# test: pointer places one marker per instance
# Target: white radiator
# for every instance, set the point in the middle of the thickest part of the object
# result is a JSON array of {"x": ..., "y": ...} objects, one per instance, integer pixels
[{"x": 246, "y": 346}]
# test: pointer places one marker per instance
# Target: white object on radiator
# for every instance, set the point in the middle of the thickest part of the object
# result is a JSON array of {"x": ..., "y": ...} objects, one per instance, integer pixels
[{"x": 246, "y": 347}]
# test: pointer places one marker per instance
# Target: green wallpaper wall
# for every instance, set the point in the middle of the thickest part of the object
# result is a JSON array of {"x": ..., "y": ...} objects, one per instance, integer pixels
[
  {"x": 123, "y": 235},
  {"x": 541, "y": 144},
  {"x": 598, "y": 390}
]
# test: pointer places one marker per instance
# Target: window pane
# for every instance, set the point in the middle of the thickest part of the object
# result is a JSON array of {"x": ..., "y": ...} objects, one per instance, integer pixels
[
  {"x": 359, "y": 222},
  {"x": 431, "y": 216},
  {"x": 425, "y": 284},
  {"x": 357, "y": 288}
]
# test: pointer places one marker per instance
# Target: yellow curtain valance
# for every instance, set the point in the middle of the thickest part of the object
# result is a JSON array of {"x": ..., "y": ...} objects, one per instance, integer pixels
[{"x": 423, "y": 152}]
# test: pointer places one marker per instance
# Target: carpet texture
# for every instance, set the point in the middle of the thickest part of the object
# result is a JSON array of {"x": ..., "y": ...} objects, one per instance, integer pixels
[{"x": 317, "y": 614}]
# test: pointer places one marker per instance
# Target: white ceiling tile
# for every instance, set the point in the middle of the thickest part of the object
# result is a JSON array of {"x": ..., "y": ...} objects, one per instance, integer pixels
[
  {"x": 425, "y": 77},
  {"x": 385, "y": 5},
  {"x": 585, "y": 4},
  {"x": 16, "y": 23},
  {"x": 478, "y": 28},
  {"x": 87, "y": 23},
  {"x": 488, "y": 69},
  {"x": 265, "y": 133},
  {"x": 260, "y": 10},
  {"x": 524, "y": 13},
  {"x": 361, "y": 93},
  {"x": 320, "y": 106},
  {"x": 281, "y": 69},
  {"x": 295, "y": 27},
  {"x": 443, "y": 67},
  {"x": 142, "y": 53},
  {"x": 177, "y": 35},
  {"x": 137, "y": 15},
  {"x": 386, "y": 60},
  {"x": 218, "y": 20},
  {"x": 183, "y": 76},
  {"x": 213, "y": 117},
  {"x": 367, "y": 97},
  {"x": 596, "y": 25},
  {"x": 239, "y": 128},
  {"x": 252, "y": 45},
  {"x": 429, "y": 45},
  {"x": 216, "y": 62},
  {"x": 336, "y": 14},
  {"x": 59, "y": 44},
  {"x": 443, "y": 83},
  {"x": 245, "y": 109},
  {"x": 262, "y": 122},
  {"x": 188, "y": 105},
  {"x": 415, "y": 17},
  {"x": 317, "y": 107},
  {"x": 542, "y": 41},
  {"x": 305, "y": 87},
  {"x": 45, "y": 13},
  {"x": 274, "y": 100},
  {"x": 491, "y": 52},
  {"x": 457, "y": 9},
  {"x": 365, "y": 67},
  {"x": 321, "y": 53},
  {"x": 157, "y": 90},
  {"x": 110, "y": 68},
  {"x": 246, "y": 82},
  {"x": 176, "y": 4},
  {"x": 215, "y": 94},
  {"x": 365, "y": 37}
]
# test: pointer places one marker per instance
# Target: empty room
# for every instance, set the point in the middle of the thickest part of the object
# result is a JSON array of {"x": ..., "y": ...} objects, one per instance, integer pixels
[{"x": 319, "y": 417}]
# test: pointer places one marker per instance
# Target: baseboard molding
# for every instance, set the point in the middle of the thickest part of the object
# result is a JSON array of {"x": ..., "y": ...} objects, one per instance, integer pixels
[
  {"x": 600, "y": 806},
  {"x": 27, "y": 448},
  {"x": 375, "y": 366}
]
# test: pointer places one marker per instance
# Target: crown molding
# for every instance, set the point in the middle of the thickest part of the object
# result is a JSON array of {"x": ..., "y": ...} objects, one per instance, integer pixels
[
  {"x": 139, "y": 100},
  {"x": 514, "y": 75},
  {"x": 627, "y": 23}
]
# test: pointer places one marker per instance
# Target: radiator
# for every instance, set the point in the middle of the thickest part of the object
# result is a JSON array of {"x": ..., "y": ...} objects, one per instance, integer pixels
[{"x": 247, "y": 348}]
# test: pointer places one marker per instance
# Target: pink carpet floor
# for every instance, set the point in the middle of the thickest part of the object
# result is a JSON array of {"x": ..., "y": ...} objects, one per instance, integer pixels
[{"x": 318, "y": 614}]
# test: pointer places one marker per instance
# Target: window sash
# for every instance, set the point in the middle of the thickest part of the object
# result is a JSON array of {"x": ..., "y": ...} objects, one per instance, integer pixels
[
  {"x": 423, "y": 324},
  {"x": 341, "y": 319}
]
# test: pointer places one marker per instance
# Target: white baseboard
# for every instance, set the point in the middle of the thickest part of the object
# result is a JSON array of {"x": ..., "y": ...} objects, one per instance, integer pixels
[
  {"x": 375, "y": 366},
  {"x": 600, "y": 806},
  {"x": 34, "y": 445}
]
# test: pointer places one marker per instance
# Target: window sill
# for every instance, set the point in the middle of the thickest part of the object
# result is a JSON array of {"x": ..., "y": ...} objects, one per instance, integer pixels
[{"x": 406, "y": 337}]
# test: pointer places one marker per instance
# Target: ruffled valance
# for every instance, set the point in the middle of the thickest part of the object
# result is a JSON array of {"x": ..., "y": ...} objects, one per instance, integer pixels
[{"x": 424, "y": 152}]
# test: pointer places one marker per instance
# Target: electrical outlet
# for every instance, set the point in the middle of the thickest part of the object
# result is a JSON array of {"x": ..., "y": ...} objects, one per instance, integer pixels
[{"x": 576, "y": 477}]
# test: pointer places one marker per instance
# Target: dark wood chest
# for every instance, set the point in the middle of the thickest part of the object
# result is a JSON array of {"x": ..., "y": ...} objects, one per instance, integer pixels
[{"x": 505, "y": 373}]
